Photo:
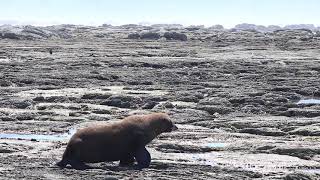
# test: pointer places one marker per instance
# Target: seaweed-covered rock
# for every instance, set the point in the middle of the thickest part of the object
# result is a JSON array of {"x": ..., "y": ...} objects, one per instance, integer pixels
[
  {"x": 150, "y": 35},
  {"x": 175, "y": 36},
  {"x": 311, "y": 130},
  {"x": 214, "y": 109},
  {"x": 23, "y": 104},
  {"x": 9, "y": 35},
  {"x": 31, "y": 32},
  {"x": 215, "y": 101},
  {"x": 300, "y": 152},
  {"x": 176, "y": 148},
  {"x": 263, "y": 131},
  {"x": 123, "y": 101},
  {"x": 299, "y": 176},
  {"x": 134, "y": 36},
  {"x": 5, "y": 83},
  {"x": 57, "y": 99},
  {"x": 149, "y": 105},
  {"x": 95, "y": 96},
  {"x": 292, "y": 112},
  {"x": 25, "y": 116}
]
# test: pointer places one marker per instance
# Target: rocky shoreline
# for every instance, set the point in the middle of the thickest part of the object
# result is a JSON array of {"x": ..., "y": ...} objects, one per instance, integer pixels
[{"x": 246, "y": 102}]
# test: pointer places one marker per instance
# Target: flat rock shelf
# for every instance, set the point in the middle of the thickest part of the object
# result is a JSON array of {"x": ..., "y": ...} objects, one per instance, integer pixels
[{"x": 247, "y": 103}]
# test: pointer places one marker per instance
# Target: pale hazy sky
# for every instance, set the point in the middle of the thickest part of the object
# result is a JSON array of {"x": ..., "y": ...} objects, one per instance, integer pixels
[{"x": 206, "y": 12}]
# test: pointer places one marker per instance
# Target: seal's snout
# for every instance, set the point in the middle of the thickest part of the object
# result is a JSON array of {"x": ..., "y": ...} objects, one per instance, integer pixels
[
  {"x": 174, "y": 127},
  {"x": 171, "y": 128}
]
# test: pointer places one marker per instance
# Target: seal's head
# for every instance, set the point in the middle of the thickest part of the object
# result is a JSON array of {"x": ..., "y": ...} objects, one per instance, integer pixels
[{"x": 163, "y": 122}]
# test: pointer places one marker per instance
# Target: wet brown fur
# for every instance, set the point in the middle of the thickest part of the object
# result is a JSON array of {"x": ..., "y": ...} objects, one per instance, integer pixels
[{"x": 115, "y": 141}]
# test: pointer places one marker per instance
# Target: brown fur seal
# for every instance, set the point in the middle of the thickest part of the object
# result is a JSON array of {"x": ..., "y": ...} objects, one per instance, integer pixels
[{"x": 124, "y": 140}]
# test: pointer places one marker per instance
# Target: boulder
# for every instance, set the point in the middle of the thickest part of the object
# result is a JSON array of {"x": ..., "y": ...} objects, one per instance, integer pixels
[
  {"x": 150, "y": 35},
  {"x": 123, "y": 101},
  {"x": 23, "y": 104},
  {"x": 310, "y": 27},
  {"x": 175, "y": 36},
  {"x": 134, "y": 36},
  {"x": 9, "y": 35},
  {"x": 216, "y": 27},
  {"x": 149, "y": 105}
]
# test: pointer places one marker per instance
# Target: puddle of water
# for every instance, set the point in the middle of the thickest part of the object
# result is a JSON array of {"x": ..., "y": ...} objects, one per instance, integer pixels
[
  {"x": 313, "y": 171},
  {"x": 78, "y": 92},
  {"x": 183, "y": 103},
  {"x": 14, "y": 110},
  {"x": 191, "y": 128},
  {"x": 39, "y": 137},
  {"x": 309, "y": 101},
  {"x": 216, "y": 145},
  {"x": 4, "y": 60},
  {"x": 253, "y": 162}
]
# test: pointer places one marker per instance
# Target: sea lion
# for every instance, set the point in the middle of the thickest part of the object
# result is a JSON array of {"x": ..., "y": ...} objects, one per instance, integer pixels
[{"x": 124, "y": 140}]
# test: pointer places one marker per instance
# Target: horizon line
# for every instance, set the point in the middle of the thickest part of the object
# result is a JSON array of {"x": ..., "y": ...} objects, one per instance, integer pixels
[{"x": 142, "y": 23}]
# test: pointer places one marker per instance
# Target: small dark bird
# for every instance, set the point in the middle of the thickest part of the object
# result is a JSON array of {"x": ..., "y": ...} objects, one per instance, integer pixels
[{"x": 50, "y": 51}]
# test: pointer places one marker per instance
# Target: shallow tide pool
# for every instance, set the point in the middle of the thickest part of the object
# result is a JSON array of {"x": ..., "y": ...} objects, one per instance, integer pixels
[
  {"x": 39, "y": 137},
  {"x": 309, "y": 101}
]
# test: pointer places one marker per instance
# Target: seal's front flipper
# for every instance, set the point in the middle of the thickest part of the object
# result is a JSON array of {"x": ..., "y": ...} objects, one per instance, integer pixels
[
  {"x": 78, "y": 165},
  {"x": 142, "y": 157},
  {"x": 128, "y": 161}
]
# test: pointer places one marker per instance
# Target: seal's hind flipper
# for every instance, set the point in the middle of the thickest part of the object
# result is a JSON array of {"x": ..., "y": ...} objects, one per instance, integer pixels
[
  {"x": 143, "y": 157},
  {"x": 78, "y": 165},
  {"x": 62, "y": 164},
  {"x": 74, "y": 164}
]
